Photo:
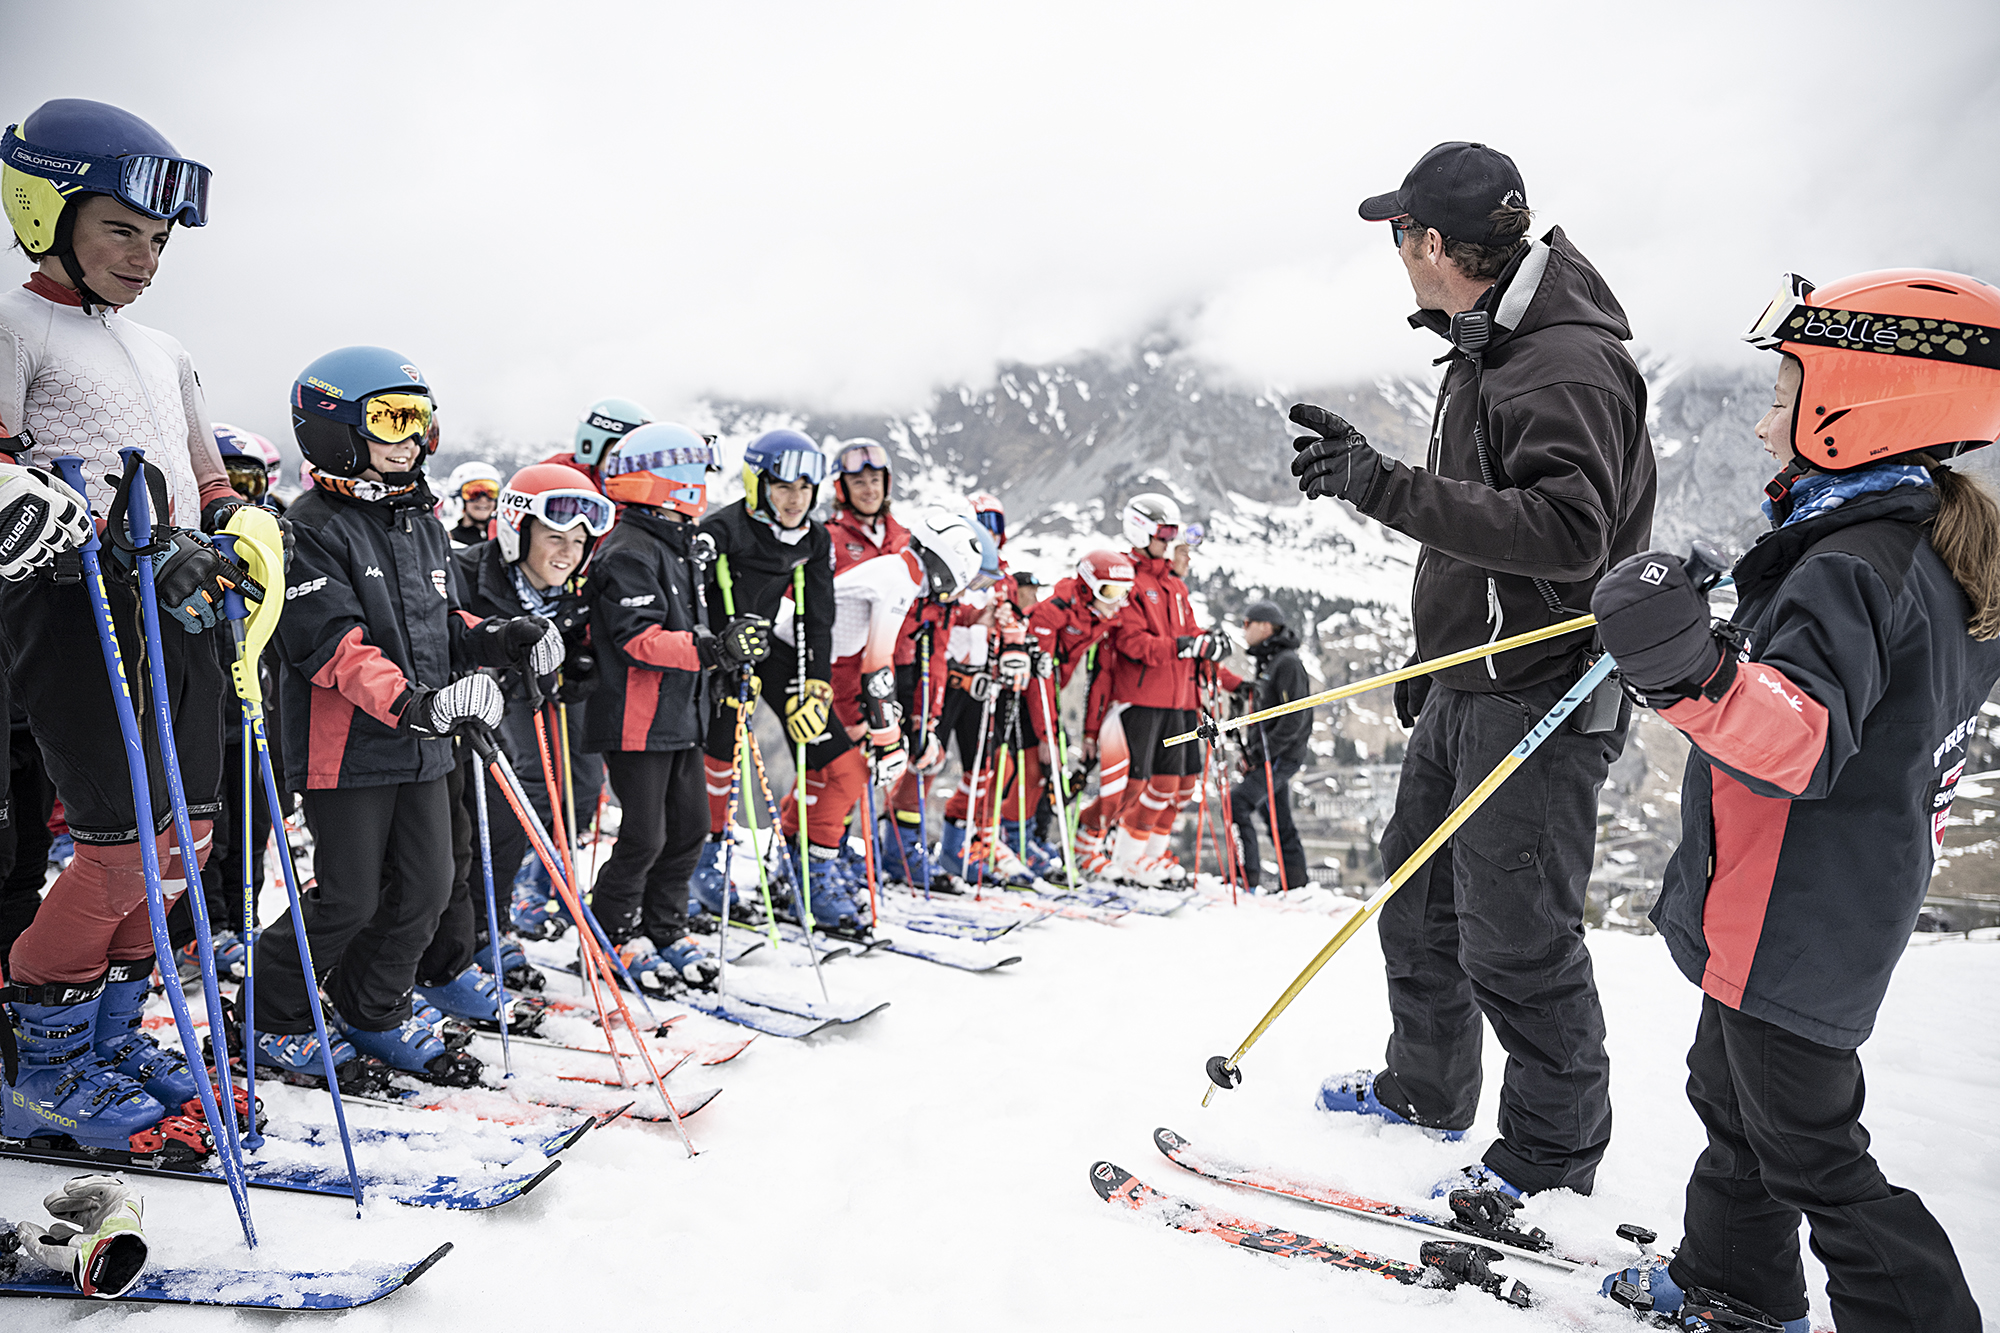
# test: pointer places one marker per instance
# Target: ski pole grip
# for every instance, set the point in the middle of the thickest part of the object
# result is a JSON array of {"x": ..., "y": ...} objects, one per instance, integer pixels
[
  {"x": 70, "y": 468},
  {"x": 138, "y": 507},
  {"x": 1705, "y": 566},
  {"x": 233, "y": 605},
  {"x": 481, "y": 737}
]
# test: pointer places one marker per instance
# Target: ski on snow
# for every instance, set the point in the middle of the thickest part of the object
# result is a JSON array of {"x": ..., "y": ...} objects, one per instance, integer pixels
[
  {"x": 297, "y": 1177},
  {"x": 776, "y": 1017},
  {"x": 1467, "y": 1223},
  {"x": 904, "y": 947},
  {"x": 1445, "y": 1263},
  {"x": 249, "y": 1289}
]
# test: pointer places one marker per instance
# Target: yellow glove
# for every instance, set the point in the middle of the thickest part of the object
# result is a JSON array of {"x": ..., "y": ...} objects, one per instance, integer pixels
[
  {"x": 735, "y": 700},
  {"x": 806, "y": 714}
]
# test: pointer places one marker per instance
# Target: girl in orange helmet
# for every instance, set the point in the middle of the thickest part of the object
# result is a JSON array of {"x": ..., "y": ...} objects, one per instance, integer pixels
[{"x": 1830, "y": 718}]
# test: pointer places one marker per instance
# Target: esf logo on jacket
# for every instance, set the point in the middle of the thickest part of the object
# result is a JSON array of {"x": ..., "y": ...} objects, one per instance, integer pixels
[
  {"x": 437, "y": 581},
  {"x": 643, "y": 599},
  {"x": 304, "y": 589}
]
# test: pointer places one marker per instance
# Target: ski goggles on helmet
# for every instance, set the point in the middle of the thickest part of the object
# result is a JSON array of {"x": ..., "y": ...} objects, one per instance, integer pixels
[
  {"x": 795, "y": 465},
  {"x": 480, "y": 488},
  {"x": 1766, "y": 331},
  {"x": 1191, "y": 535},
  {"x": 248, "y": 477},
  {"x": 1111, "y": 590},
  {"x": 169, "y": 188},
  {"x": 855, "y": 457},
  {"x": 386, "y": 418},
  {"x": 563, "y": 510}
]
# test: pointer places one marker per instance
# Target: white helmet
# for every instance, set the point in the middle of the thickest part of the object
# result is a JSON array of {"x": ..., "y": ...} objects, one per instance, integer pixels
[
  {"x": 477, "y": 470},
  {"x": 950, "y": 548},
  {"x": 1148, "y": 516}
]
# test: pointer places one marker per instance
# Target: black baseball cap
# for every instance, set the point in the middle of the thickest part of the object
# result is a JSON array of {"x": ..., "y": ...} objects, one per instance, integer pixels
[{"x": 1455, "y": 188}]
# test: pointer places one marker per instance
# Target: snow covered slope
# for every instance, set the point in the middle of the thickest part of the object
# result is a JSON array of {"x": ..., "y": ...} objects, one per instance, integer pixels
[{"x": 926, "y": 1170}]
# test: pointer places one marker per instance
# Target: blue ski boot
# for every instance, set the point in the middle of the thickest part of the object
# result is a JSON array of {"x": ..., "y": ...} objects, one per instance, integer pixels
[
  {"x": 413, "y": 1047},
  {"x": 521, "y": 975},
  {"x": 951, "y": 851},
  {"x": 537, "y": 914},
  {"x": 709, "y": 884},
  {"x": 294, "y": 1057},
  {"x": 1355, "y": 1094},
  {"x": 833, "y": 892},
  {"x": 1648, "y": 1289},
  {"x": 854, "y": 865},
  {"x": 902, "y": 858},
  {"x": 121, "y": 1041},
  {"x": 63, "y": 1092},
  {"x": 232, "y": 957},
  {"x": 1478, "y": 1176},
  {"x": 1044, "y": 861},
  {"x": 688, "y": 964},
  {"x": 473, "y": 997}
]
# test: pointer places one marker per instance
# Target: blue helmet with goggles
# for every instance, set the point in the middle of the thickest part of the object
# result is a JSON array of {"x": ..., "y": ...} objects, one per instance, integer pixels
[
  {"x": 70, "y": 147},
  {"x": 661, "y": 465},
  {"x": 356, "y": 396},
  {"x": 775, "y": 456}
]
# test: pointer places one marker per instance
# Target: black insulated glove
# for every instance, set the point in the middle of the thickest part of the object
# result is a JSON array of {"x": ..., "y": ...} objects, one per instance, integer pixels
[
  {"x": 744, "y": 641},
  {"x": 1410, "y": 695},
  {"x": 474, "y": 698},
  {"x": 1654, "y": 620},
  {"x": 1336, "y": 459}
]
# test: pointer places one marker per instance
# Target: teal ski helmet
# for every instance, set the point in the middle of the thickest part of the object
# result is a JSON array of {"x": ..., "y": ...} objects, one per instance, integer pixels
[{"x": 604, "y": 423}]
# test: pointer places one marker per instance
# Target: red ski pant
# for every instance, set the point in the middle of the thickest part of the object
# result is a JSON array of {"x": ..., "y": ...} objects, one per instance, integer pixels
[
  {"x": 96, "y": 910},
  {"x": 831, "y": 794}
]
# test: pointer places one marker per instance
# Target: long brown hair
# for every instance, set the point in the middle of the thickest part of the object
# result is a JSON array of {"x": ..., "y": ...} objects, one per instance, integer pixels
[{"x": 1966, "y": 537}]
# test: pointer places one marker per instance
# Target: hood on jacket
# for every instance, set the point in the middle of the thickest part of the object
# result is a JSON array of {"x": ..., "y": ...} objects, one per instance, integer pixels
[
  {"x": 1282, "y": 639},
  {"x": 1549, "y": 283}
]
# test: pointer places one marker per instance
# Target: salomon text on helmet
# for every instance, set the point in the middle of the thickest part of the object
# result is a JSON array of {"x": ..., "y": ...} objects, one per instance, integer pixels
[
  {"x": 949, "y": 546},
  {"x": 347, "y": 398},
  {"x": 604, "y": 423},
  {"x": 1150, "y": 516},
  {"x": 1898, "y": 361},
  {"x": 70, "y": 147},
  {"x": 556, "y": 496},
  {"x": 663, "y": 466}
]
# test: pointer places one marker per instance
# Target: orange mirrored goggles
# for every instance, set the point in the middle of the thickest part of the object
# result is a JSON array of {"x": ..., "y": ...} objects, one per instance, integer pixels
[{"x": 391, "y": 418}]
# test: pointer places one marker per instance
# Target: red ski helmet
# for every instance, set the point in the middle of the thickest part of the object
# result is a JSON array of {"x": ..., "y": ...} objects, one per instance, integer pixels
[
  {"x": 1108, "y": 574},
  {"x": 553, "y": 494}
]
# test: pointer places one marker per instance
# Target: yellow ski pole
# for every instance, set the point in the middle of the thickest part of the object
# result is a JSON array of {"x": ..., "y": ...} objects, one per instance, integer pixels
[
  {"x": 1225, "y": 1071},
  {"x": 1211, "y": 729}
]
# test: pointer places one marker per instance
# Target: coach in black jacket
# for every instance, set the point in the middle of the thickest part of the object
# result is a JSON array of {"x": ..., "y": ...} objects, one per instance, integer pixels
[
  {"x": 1281, "y": 678},
  {"x": 1539, "y": 478}
]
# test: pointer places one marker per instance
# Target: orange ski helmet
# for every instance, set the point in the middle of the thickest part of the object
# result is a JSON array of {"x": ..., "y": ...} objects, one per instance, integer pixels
[{"x": 1898, "y": 361}]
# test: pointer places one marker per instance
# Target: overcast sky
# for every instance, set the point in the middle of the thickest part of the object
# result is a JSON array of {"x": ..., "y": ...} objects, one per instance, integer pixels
[{"x": 844, "y": 205}]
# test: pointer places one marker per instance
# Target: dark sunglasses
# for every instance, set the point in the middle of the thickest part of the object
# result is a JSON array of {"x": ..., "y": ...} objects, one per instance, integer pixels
[{"x": 1397, "y": 228}]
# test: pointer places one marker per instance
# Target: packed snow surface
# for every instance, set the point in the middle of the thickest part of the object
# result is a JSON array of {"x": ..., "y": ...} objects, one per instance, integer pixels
[{"x": 926, "y": 1169}]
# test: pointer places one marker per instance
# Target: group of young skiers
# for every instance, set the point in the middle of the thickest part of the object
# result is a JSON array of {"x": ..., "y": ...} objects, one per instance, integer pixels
[{"x": 590, "y": 623}]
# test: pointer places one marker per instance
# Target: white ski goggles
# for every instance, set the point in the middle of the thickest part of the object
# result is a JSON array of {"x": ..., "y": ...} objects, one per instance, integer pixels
[{"x": 563, "y": 510}]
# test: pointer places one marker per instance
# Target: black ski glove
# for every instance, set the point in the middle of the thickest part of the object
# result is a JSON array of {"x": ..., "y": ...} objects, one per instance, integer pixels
[
  {"x": 190, "y": 576},
  {"x": 518, "y": 641},
  {"x": 1210, "y": 647},
  {"x": 1336, "y": 459},
  {"x": 744, "y": 641},
  {"x": 1410, "y": 695},
  {"x": 1655, "y": 621},
  {"x": 579, "y": 677}
]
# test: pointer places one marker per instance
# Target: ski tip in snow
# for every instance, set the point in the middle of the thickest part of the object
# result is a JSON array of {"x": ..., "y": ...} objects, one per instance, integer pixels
[{"x": 441, "y": 1251}]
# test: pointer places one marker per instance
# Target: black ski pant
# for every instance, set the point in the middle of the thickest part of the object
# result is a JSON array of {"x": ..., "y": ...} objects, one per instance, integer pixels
[
  {"x": 643, "y": 887},
  {"x": 222, "y": 877},
  {"x": 1251, "y": 797},
  {"x": 48, "y": 635},
  {"x": 24, "y": 836},
  {"x": 463, "y": 923},
  {"x": 1493, "y": 924},
  {"x": 1783, "y": 1116},
  {"x": 383, "y": 870}
]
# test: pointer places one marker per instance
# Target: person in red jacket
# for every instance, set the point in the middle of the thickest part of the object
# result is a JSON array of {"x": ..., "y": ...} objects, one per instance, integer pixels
[
  {"x": 862, "y": 526},
  {"x": 1062, "y": 628},
  {"x": 1150, "y": 657}
]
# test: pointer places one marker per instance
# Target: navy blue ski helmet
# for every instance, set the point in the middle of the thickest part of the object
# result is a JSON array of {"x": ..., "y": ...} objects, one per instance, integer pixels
[{"x": 347, "y": 398}]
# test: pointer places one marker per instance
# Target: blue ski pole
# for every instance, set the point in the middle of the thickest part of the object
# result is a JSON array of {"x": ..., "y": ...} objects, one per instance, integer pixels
[
  {"x": 492, "y": 912},
  {"x": 139, "y": 528},
  {"x": 267, "y": 564},
  {"x": 70, "y": 469}
]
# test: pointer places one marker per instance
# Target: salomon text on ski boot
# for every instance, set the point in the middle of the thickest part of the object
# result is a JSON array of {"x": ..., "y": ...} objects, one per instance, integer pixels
[{"x": 64, "y": 1097}]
